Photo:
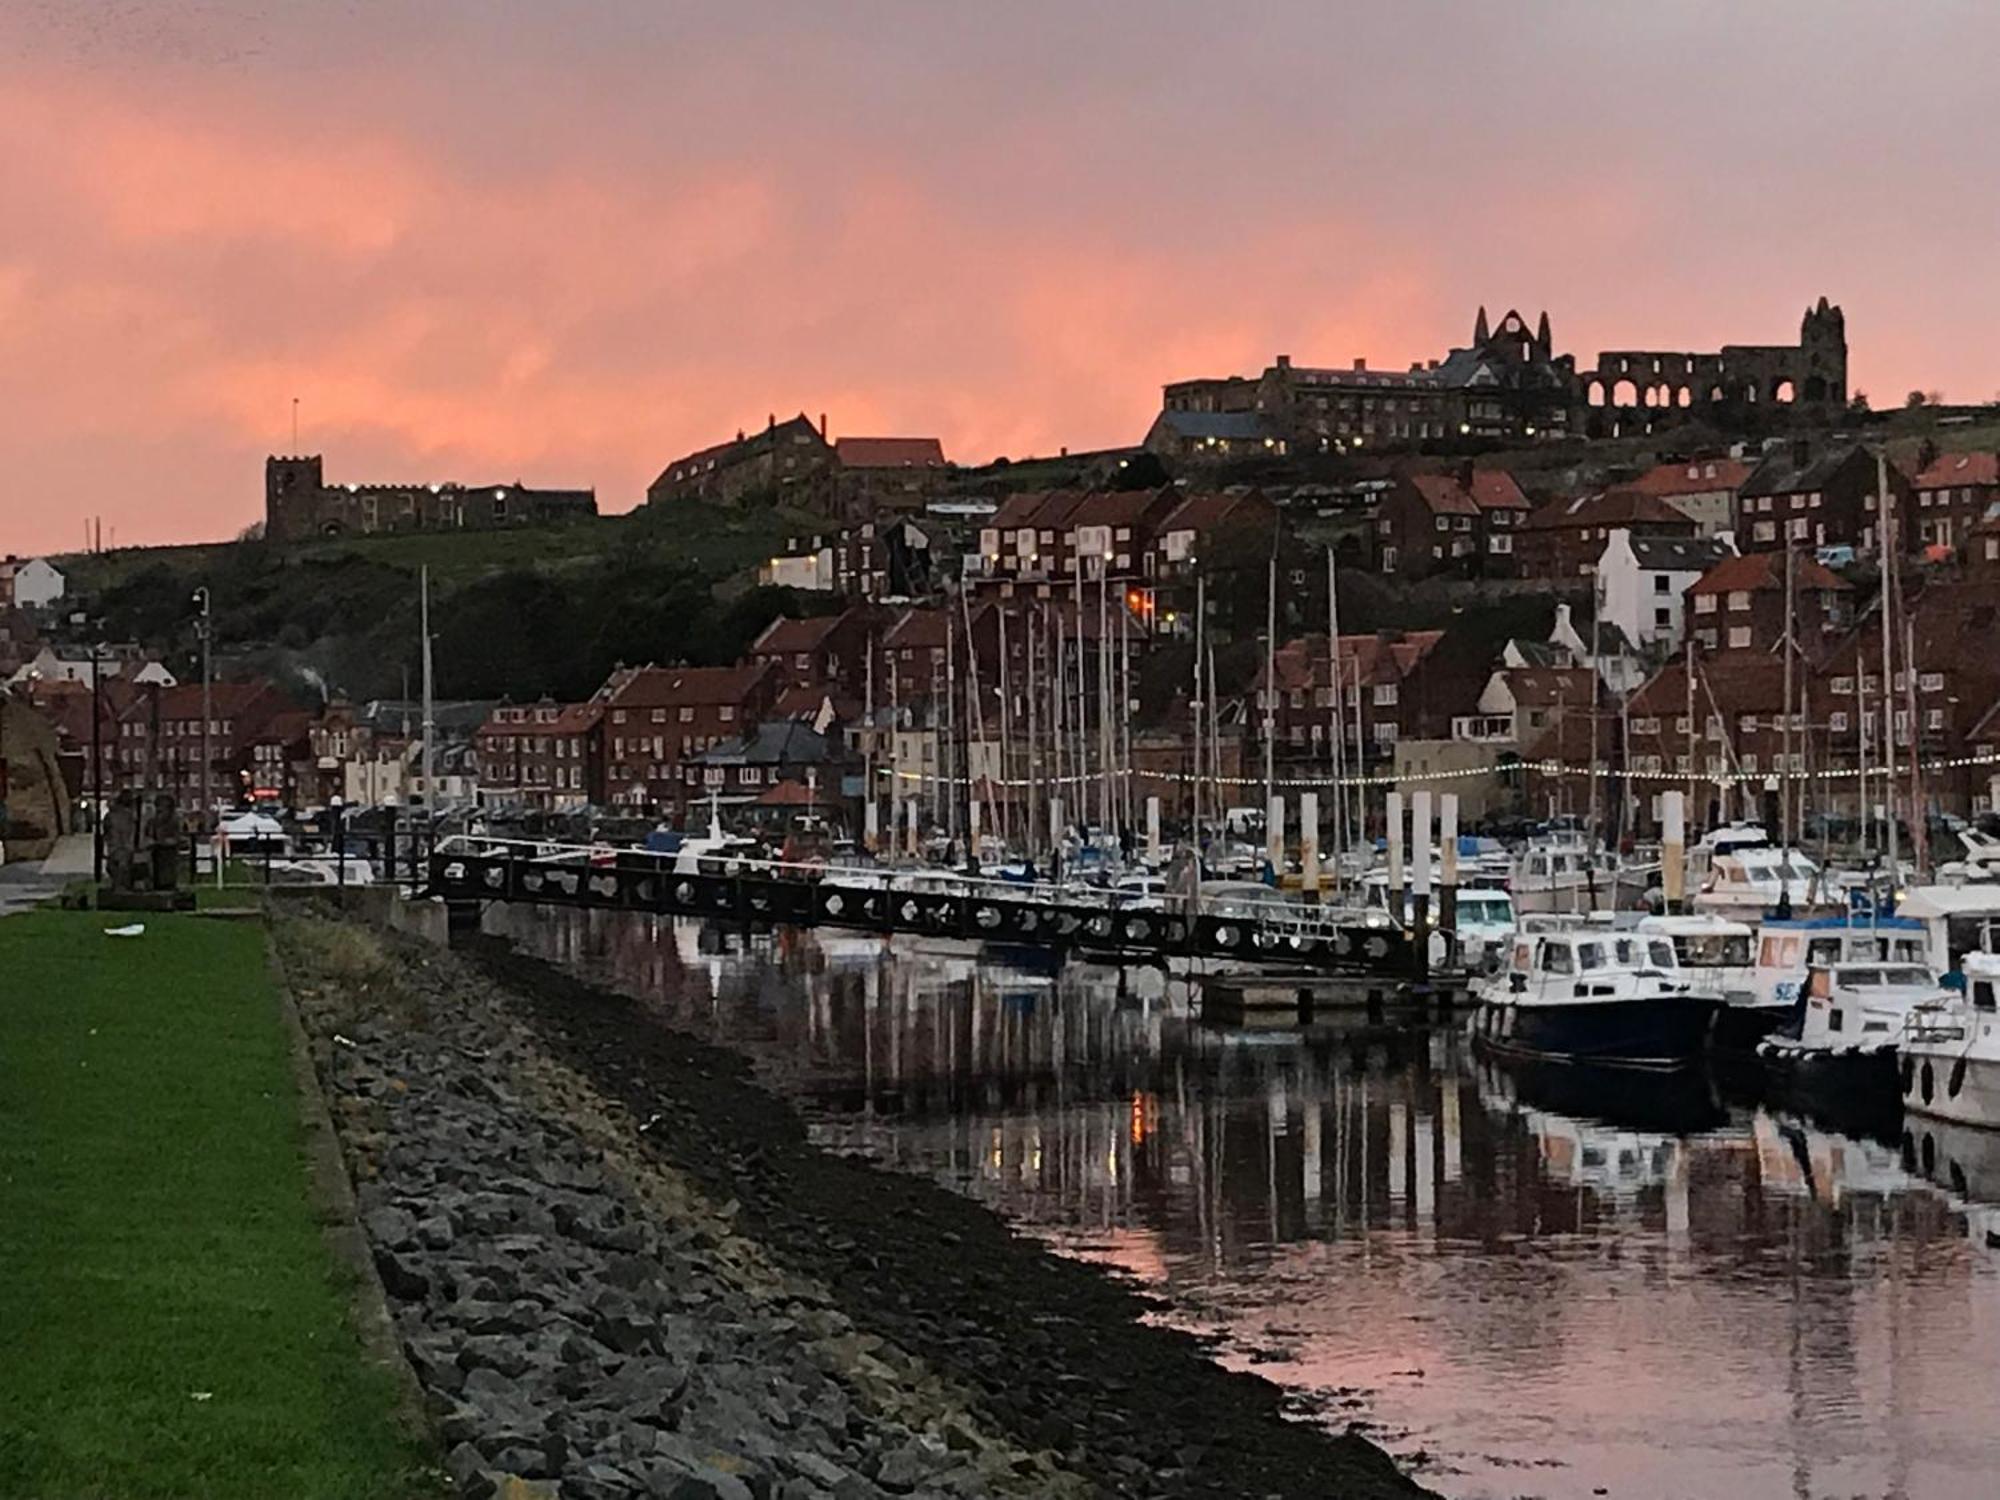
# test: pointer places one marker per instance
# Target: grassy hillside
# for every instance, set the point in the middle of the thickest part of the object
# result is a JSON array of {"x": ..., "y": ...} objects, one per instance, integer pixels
[{"x": 516, "y": 613}]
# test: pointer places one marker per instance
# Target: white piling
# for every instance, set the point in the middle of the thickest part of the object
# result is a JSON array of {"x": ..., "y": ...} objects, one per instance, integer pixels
[
  {"x": 1153, "y": 829},
  {"x": 1673, "y": 848},
  {"x": 1448, "y": 861},
  {"x": 871, "y": 823},
  {"x": 1394, "y": 819},
  {"x": 911, "y": 848},
  {"x": 1309, "y": 843},
  {"x": 1420, "y": 844},
  {"x": 1274, "y": 836}
]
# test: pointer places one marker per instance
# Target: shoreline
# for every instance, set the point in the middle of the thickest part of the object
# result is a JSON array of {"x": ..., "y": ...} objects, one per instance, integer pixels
[{"x": 952, "y": 1355}]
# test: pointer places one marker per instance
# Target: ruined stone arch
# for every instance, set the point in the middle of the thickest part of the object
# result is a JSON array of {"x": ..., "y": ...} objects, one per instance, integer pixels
[
  {"x": 1782, "y": 391},
  {"x": 1684, "y": 398},
  {"x": 1624, "y": 393},
  {"x": 1593, "y": 392},
  {"x": 1715, "y": 394},
  {"x": 1815, "y": 388}
]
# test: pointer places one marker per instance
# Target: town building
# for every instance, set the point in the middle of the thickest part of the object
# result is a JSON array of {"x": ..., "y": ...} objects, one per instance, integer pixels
[
  {"x": 1564, "y": 538},
  {"x": 821, "y": 652},
  {"x": 1954, "y": 491},
  {"x": 1739, "y": 604},
  {"x": 1391, "y": 687},
  {"x": 299, "y": 503},
  {"x": 784, "y": 456},
  {"x": 1641, "y": 581},
  {"x": 1462, "y": 523},
  {"x": 1805, "y": 498},
  {"x": 657, "y": 717},
  {"x": 746, "y": 769},
  {"x": 1702, "y": 489},
  {"x": 1187, "y": 438},
  {"x": 541, "y": 757},
  {"x": 159, "y": 742}
]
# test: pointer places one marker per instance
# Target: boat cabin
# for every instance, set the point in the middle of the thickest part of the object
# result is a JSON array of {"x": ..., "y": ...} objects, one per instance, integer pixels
[
  {"x": 1786, "y": 950},
  {"x": 1863, "y": 1004},
  {"x": 1724, "y": 952},
  {"x": 1587, "y": 962}
]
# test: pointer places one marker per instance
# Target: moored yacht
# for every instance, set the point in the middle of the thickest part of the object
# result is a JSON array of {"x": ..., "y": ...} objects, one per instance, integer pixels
[
  {"x": 1951, "y": 1050},
  {"x": 1594, "y": 995},
  {"x": 1748, "y": 882},
  {"x": 1564, "y": 872}
]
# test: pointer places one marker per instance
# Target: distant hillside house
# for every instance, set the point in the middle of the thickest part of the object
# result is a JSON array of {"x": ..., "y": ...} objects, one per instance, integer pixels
[
  {"x": 30, "y": 584},
  {"x": 785, "y": 454},
  {"x": 299, "y": 503},
  {"x": 1194, "y": 437}
]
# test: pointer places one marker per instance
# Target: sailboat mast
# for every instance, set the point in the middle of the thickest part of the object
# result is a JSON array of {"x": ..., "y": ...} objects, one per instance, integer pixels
[
  {"x": 1884, "y": 506},
  {"x": 1333, "y": 690},
  {"x": 1785, "y": 766},
  {"x": 430, "y": 702},
  {"x": 1195, "y": 700},
  {"x": 1270, "y": 673}
]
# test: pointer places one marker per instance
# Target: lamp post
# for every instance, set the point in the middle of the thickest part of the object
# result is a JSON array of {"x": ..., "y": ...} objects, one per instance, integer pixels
[
  {"x": 96, "y": 756},
  {"x": 203, "y": 629},
  {"x": 337, "y": 806}
]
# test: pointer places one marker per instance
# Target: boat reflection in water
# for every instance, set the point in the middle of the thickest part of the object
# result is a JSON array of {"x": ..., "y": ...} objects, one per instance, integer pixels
[{"x": 1548, "y": 1286}]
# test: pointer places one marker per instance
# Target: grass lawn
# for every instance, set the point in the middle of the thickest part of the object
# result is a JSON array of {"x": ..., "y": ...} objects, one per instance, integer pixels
[{"x": 171, "y": 1320}]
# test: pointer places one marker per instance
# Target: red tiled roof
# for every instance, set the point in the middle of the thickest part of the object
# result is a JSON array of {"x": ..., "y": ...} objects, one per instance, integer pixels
[
  {"x": 1738, "y": 684},
  {"x": 1443, "y": 494},
  {"x": 1202, "y": 512},
  {"x": 785, "y": 635},
  {"x": 663, "y": 687},
  {"x": 1755, "y": 571},
  {"x": 1950, "y": 470},
  {"x": 1496, "y": 489},
  {"x": 1615, "y": 507},
  {"x": 1699, "y": 476},
  {"x": 789, "y": 794},
  {"x": 1302, "y": 663},
  {"x": 889, "y": 453},
  {"x": 571, "y": 718}
]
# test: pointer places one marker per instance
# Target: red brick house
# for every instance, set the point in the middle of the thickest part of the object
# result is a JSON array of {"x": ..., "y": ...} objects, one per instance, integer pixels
[
  {"x": 1953, "y": 493},
  {"x": 159, "y": 738},
  {"x": 1739, "y": 604},
  {"x": 822, "y": 651},
  {"x": 1387, "y": 692},
  {"x": 1564, "y": 538},
  {"x": 547, "y": 756},
  {"x": 1819, "y": 500},
  {"x": 655, "y": 717},
  {"x": 1703, "y": 489}
]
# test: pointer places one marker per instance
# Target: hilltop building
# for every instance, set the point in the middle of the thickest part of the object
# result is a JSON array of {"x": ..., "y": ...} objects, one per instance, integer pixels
[{"x": 299, "y": 503}]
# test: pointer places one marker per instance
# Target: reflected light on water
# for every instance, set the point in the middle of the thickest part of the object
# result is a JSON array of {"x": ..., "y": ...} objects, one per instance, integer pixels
[{"x": 1547, "y": 1289}]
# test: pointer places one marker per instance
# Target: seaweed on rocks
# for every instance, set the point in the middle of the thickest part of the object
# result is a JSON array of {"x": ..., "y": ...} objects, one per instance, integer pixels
[{"x": 1059, "y": 1355}]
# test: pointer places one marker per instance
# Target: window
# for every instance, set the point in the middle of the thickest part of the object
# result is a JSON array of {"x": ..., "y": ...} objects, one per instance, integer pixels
[
  {"x": 1800, "y": 528},
  {"x": 1663, "y": 619},
  {"x": 1931, "y": 682},
  {"x": 1739, "y": 599},
  {"x": 1842, "y": 686},
  {"x": 1706, "y": 638},
  {"x": 1659, "y": 583},
  {"x": 658, "y": 716},
  {"x": 1385, "y": 694},
  {"x": 1680, "y": 724},
  {"x": 1714, "y": 727},
  {"x": 726, "y": 712},
  {"x": 1385, "y": 734},
  {"x": 713, "y": 775},
  {"x": 1704, "y": 604},
  {"x": 1646, "y": 726},
  {"x": 1934, "y": 718},
  {"x": 1444, "y": 523},
  {"x": 1750, "y": 764},
  {"x": 1739, "y": 637},
  {"x": 1837, "y": 721},
  {"x": 1500, "y": 544},
  {"x": 686, "y": 714},
  {"x": 749, "y": 776}
]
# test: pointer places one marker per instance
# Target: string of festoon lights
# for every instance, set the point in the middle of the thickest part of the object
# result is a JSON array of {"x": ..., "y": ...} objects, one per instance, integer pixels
[{"x": 1392, "y": 779}]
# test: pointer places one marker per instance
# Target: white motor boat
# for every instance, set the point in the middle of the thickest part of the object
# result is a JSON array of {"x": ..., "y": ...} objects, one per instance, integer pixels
[
  {"x": 1719, "y": 958},
  {"x": 1564, "y": 873},
  {"x": 1951, "y": 1050},
  {"x": 1788, "y": 949},
  {"x": 1737, "y": 872},
  {"x": 1594, "y": 995},
  {"x": 1838, "y": 1056}
]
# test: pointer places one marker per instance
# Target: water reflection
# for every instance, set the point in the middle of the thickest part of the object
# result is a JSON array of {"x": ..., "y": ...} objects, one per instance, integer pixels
[{"x": 1550, "y": 1286}]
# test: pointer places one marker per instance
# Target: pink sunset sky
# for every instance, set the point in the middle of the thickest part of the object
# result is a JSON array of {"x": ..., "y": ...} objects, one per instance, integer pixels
[{"x": 485, "y": 239}]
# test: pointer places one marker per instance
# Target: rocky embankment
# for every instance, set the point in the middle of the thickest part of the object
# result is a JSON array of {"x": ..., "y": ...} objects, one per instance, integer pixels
[{"x": 619, "y": 1269}]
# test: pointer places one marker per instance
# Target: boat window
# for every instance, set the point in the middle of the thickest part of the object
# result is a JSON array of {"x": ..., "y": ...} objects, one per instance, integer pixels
[
  {"x": 1833, "y": 1022},
  {"x": 1589, "y": 956},
  {"x": 1982, "y": 994},
  {"x": 1662, "y": 953},
  {"x": 1709, "y": 950},
  {"x": 1823, "y": 951},
  {"x": 1906, "y": 976},
  {"x": 1861, "y": 978},
  {"x": 1557, "y": 959}
]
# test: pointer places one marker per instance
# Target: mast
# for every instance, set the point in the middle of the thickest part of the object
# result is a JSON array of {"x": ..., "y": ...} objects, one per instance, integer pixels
[
  {"x": 1884, "y": 505},
  {"x": 1333, "y": 689},
  {"x": 970, "y": 724},
  {"x": 1861, "y": 741},
  {"x": 1195, "y": 702},
  {"x": 1690, "y": 710},
  {"x": 1006, "y": 737},
  {"x": 1596, "y": 612},
  {"x": 1106, "y": 817},
  {"x": 872, "y": 813},
  {"x": 1031, "y": 793},
  {"x": 1919, "y": 819},
  {"x": 1270, "y": 671},
  {"x": 1214, "y": 739},
  {"x": 1785, "y": 771},
  {"x": 1057, "y": 790}
]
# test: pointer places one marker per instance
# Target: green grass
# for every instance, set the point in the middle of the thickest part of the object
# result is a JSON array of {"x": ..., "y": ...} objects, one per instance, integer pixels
[{"x": 156, "y": 1239}]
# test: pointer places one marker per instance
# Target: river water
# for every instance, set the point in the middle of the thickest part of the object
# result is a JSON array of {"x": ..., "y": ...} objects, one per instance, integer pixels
[{"x": 1525, "y": 1286}]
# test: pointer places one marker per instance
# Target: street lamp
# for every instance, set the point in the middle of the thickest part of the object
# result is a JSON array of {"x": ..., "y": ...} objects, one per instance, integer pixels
[
  {"x": 203, "y": 629},
  {"x": 96, "y": 756}
]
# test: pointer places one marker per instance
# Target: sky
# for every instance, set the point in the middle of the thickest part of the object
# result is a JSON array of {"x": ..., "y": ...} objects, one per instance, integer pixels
[{"x": 566, "y": 242}]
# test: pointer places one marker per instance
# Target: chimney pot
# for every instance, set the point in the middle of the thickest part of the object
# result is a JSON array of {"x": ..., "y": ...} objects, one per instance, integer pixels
[
  {"x": 1361, "y": 364},
  {"x": 1284, "y": 361}
]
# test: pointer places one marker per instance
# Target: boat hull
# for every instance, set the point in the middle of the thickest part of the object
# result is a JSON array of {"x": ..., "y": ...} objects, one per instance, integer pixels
[
  {"x": 1653, "y": 1032},
  {"x": 1964, "y": 1090},
  {"x": 1844, "y": 1089},
  {"x": 1739, "y": 1028}
]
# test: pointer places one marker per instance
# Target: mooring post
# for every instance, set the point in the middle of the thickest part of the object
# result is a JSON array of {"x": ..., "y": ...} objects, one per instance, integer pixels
[
  {"x": 1274, "y": 838},
  {"x": 1448, "y": 869},
  {"x": 1673, "y": 849},
  {"x": 1393, "y": 817},
  {"x": 1309, "y": 844},
  {"x": 1420, "y": 865},
  {"x": 1153, "y": 830}
]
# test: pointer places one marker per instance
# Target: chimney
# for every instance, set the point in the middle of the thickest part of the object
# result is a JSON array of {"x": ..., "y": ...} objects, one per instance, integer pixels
[
  {"x": 1801, "y": 451},
  {"x": 1562, "y": 625},
  {"x": 1361, "y": 364},
  {"x": 822, "y": 427},
  {"x": 771, "y": 422},
  {"x": 1464, "y": 475}
]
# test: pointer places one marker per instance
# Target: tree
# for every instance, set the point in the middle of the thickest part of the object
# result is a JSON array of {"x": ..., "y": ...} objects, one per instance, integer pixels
[{"x": 1914, "y": 399}]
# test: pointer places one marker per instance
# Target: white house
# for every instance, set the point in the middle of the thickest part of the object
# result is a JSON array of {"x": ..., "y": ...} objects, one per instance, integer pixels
[
  {"x": 50, "y": 665},
  {"x": 1617, "y": 660},
  {"x": 34, "y": 584},
  {"x": 1641, "y": 581}
]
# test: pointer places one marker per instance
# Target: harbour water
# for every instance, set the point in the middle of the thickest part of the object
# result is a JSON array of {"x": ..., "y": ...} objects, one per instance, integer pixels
[{"x": 1527, "y": 1285}]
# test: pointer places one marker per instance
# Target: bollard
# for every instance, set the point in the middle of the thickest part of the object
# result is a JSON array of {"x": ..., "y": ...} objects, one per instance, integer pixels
[
  {"x": 1394, "y": 819},
  {"x": 1055, "y": 824},
  {"x": 1420, "y": 871},
  {"x": 911, "y": 847},
  {"x": 1153, "y": 830},
  {"x": 1448, "y": 872},
  {"x": 1274, "y": 838},
  {"x": 1673, "y": 849},
  {"x": 871, "y": 823}
]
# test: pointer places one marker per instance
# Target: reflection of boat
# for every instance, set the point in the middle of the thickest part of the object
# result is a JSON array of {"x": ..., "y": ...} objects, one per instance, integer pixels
[
  {"x": 1951, "y": 1050},
  {"x": 1678, "y": 1103},
  {"x": 1593, "y": 995},
  {"x": 1960, "y": 1158}
]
